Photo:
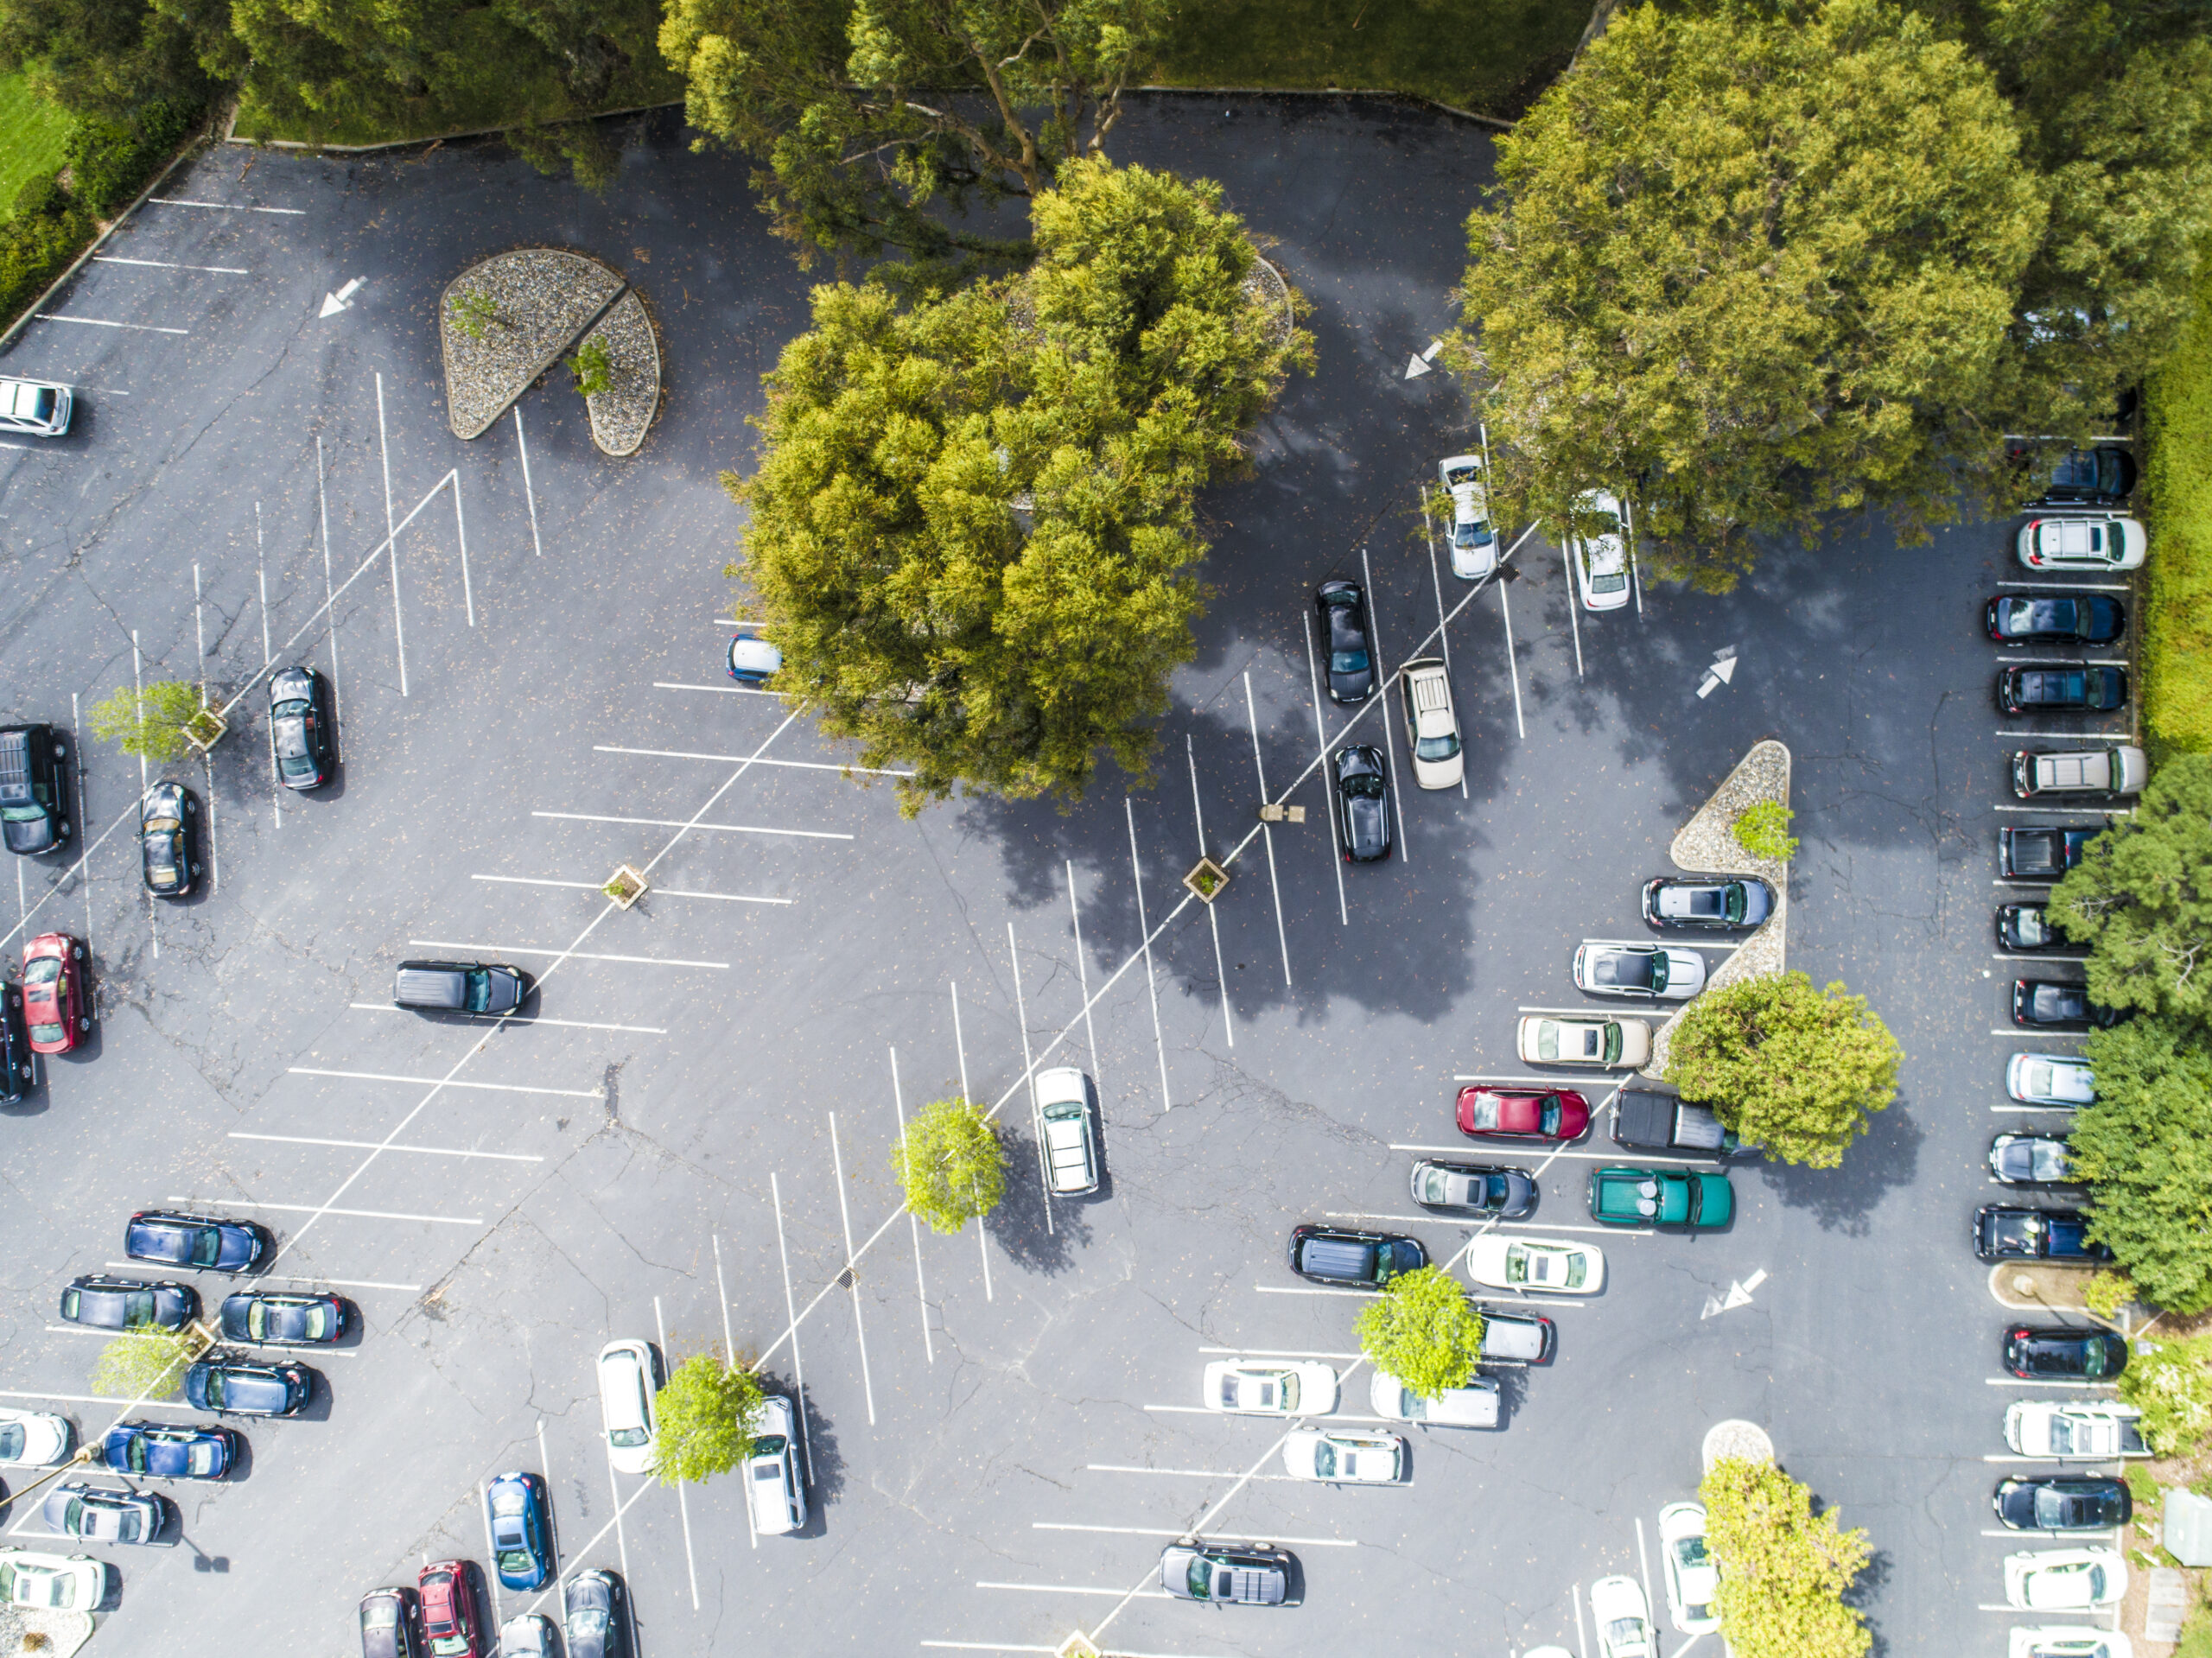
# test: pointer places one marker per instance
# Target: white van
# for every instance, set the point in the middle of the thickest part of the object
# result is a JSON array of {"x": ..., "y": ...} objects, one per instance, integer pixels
[
  {"x": 1472, "y": 1405},
  {"x": 1063, "y": 1125},
  {"x": 772, "y": 1483}
]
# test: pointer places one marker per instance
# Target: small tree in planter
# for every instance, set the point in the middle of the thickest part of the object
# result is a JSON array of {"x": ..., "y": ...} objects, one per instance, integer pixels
[
  {"x": 165, "y": 722},
  {"x": 145, "y": 1364},
  {"x": 593, "y": 367},
  {"x": 473, "y": 312},
  {"x": 708, "y": 1413},
  {"x": 1763, "y": 831},
  {"x": 951, "y": 1165},
  {"x": 1424, "y": 1331}
]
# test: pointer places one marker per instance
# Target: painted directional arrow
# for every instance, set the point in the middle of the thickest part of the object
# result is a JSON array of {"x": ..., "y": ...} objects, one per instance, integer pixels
[
  {"x": 1722, "y": 672},
  {"x": 342, "y": 300},
  {"x": 1423, "y": 362},
  {"x": 1739, "y": 1295}
]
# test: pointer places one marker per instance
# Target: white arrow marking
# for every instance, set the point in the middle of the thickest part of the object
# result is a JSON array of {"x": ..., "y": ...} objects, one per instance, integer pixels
[
  {"x": 1725, "y": 669},
  {"x": 1754, "y": 1280},
  {"x": 342, "y": 300},
  {"x": 1712, "y": 1307},
  {"x": 1434, "y": 346},
  {"x": 1416, "y": 368},
  {"x": 1739, "y": 1295}
]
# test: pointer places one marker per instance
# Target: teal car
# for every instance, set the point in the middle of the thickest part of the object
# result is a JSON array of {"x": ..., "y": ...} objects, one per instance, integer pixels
[{"x": 1625, "y": 1196}]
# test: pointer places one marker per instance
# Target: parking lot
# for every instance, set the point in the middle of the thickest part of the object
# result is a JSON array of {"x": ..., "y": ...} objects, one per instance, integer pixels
[{"x": 689, "y": 1140}]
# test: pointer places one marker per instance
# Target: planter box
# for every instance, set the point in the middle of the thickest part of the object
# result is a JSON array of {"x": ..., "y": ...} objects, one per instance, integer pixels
[
  {"x": 1206, "y": 879},
  {"x": 1077, "y": 1645},
  {"x": 205, "y": 729},
  {"x": 625, "y": 886}
]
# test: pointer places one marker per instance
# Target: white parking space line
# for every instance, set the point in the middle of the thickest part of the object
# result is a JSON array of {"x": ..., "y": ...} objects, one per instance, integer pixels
[
  {"x": 537, "y": 548},
  {"x": 391, "y": 537},
  {"x": 1594, "y": 1010},
  {"x": 102, "y": 322},
  {"x": 1029, "y": 1075},
  {"x": 1083, "y": 976},
  {"x": 2070, "y": 586},
  {"x": 1643, "y": 1564},
  {"x": 1183, "y": 1473},
  {"x": 1579, "y": 1157},
  {"x": 853, "y": 1278},
  {"x": 83, "y": 813},
  {"x": 545, "y": 1473},
  {"x": 225, "y": 206},
  {"x": 460, "y": 534},
  {"x": 1574, "y": 599},
  {"x": 983, "y": 1241},
  {"x": 2000, "y": 956},
  {"x": 1151, "y": 985},
  {"x": 1503, "y": 1076},
  {"x": 1512, "y": 658},
  {"x": 524, "y": 1023},
  {"x": 717, "y": 829},
  {"x": 2041, "y": 1036},
  {"x": 90, "y": 1399},
  {"x": 1672, "y": 943},
  {"x": 2067, "y": 736},
  {"x": 797, "y": 765},
  {"x": 1436, "y": 581},
  {"x": 614, "y": 1491},
  {"x": 1636, "y": 577},
  {"x": 1071, "y": 1589},
  {"x": 564, "y": 955},
  {"x": 261, "y": 575},
  {"x": 1266, "y": 834},
  {"x": 167, "y": 265},
  {"x": 1174, "y": 1532},
  {"x": 138, "y": 705},
  {"x": 1213, "y": 920},
  {"x": 364, "y": 1145},
  {"x": 329, "y": 598},
  {"x": 128, "y": 1335},
  {"x": 1303, "y": 1289},
  {"x": 491, "y": 1552},
  {"x": 1533, "y": 1226},
  {"x": 2039, "y": 1381},
  {"x": 2016, "y": 1106},
  {"x": 790, "y": 1311},
  {"x": 1280, "y": 1353},
  {"x": 2068, "y": 811},
  {"x": 601, "y": 886},
  {"x": 921, "y": 1290},
  {"x": 336, "y": 1283},
  {"x": 426, "y": 1082},
  {"x": 1389, "y": 739},
  {"x": 316, "y": 1208},
  {"x": 1574, "y": 1596},
  {"x": 683, "y": 1503},
  {"x": 721, "y": 690},
  {"x": 1321, "y": 759}
]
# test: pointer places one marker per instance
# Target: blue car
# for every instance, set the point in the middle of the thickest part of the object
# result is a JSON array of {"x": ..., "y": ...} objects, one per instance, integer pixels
[
  {"x": 170, "y": 1451},
  {"x": 243, "y": 1388},
  {"x": 203, "y": 1242},
  {"x": 521, "y": 1548}
]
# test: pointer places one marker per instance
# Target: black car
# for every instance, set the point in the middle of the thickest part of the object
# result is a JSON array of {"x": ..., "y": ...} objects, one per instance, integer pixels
[
  {"x": 105, "y": 1303},
  {"x": 238, "y": 1387},
  {"x": 2028, "y": 927},
  {"x": 2009, "y": 1232},
  {"x": 2091, "y": 619},
  {"x": 1713, "y": 902},
  {"x": 1350, "y": 659},
  {"x": 282, "y": 1318},
  {"x": 2077, "y": 687},
  {"x": 460, "y": 986},
  {"x": 16, "y": 1072},
  {"x": 390, "y": 1624},
  {"x": 2042, "y": 852},
  {"x": 2062, "y": 1502},
  {"x": 2100, "y": 477},
  {"x": 202, "y": 1242},
  {"x": 2031, "y": 1160},
  {"x": 168, "y": 840},
  {"x": 2039, "y": 1002},
  {"x": 1362, "y": 803},
  {"x": 1473, "y": 1189},
  {"x": 299, "y": 727},
  {"x": 2063, "y": 1352},
  {"x": 592, "y": 1612},
  {"x": 1336, "y": 1254},
  {"x": 34, "y": 807}
]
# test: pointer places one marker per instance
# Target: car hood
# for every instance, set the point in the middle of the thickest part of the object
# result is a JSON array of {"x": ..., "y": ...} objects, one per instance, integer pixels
[{"x": 33, "y": 836}]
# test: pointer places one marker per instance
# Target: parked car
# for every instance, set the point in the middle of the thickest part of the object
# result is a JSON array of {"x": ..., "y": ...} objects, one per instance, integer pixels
[
  {"x": 1549, "y": 1039},
  {"x": 2112, "y": 770},
  {"x": 1628, "y": 1197},
  {"x": 2075, "y": 1641},
  {"x": 1337, "y": 1254},
  {"x": 2041, "y": 852},
  {"x": 283, "y": 1318},
  {"x": 1549, "y": 1264},
  {"x": 1599, "y": 551},
  {"x": 1517, "y": 1338},
  {"x": 1713, "y": 903},
  {"x": 2089, "y": 618},
  {"x": 1642, "y": 972},
  {"x": 2064, "y": 1580},
  {"x": 105, "y": 1303},
  {"x": 592, "y": 1615},
  {"x": 2063, "y": 1430},
  {"x": 170, "y": 1449},
  {"x": 36, "y": 408},
  {"x": 241, "y": 1387},
  {"x": 390, "y": 1623},
  {"x": 100, "y": 1514},
  {"x": 514, "y": 1512},
  {"x": 34, "y": 1439},
  {"x": 2070, "y": 688},
  {"x": 2031, "y": 1160},
  {"x": 1341, "y": 609},
  {"x": 2103, "y": 476},
  {"x": 1474, "y": 537},
  {"x": 1363, "y": 802},
  {"x": 2039, "y": 1003},
  {"x": 773, "y": 1485},
  {"x": 300, "y": 728},
  {"x": 1266, "y": 1386},
  {"x": 2050, "y": 1079},
  {"x": 60, "y": 1583},
  {"x": 1343, "y": 1456},
  {"x": 1472, "y": 1404},
  {"x": 1623, "y": 1616},
  {"x": 450, "y": 1617},
  {"x": 168, "y": 840},
  {"x": 202, "y": 1242},
  {"x": 2028, "y": 927},
  {"x": 2009, "y": 1232},
  {"x": 18, "y": 1070},
  {"x": 1552, "y": 1114},
  {"x": 34, "y": 799},
  {"x": 1227, "y": 1574},
  {"x": 1476, "y": 1189},
  {"x": 1662, "y": 1122},
  {"x": 753, "y": 660},
  {"x": 1071, "y": 1145},
  {"x": 53, "y": 993},
  {"x": 461, "y": 987},
  {"x": 2083, "y": 543},
  {"x": 2063, "y": 1353},
  {"x": 529, "y": 1635},
  {"x": 626, "y": 1410},
  {"x": 1692, "y": 1580},
  {"x": 1432, "y": 726}
]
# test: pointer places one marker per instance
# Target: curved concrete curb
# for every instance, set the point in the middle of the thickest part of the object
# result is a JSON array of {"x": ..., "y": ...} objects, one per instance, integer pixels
[
  {"x": 1735, "y": 1438},
  {"x": 2005, "y": 1293},
  {"x": 546, "y": 299}
]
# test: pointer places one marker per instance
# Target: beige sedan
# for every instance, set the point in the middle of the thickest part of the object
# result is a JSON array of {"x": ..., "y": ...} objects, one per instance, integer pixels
[
  {"x": 1432, "y": 725},
  {"x": 1545, "y": 1039}
]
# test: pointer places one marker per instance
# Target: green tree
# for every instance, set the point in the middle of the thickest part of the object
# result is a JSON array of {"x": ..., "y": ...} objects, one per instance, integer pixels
[
  {"x": 154, "y": 725},
  {"x": 1794, "y": 1071},
  {"x": 2141, "y": 898},
  {"x": 1424, "y": 1331},
  {"x": 145, "y": 1364},
  {"x": 972, "y": 529},
  {"x": 1752, "y": 269},
  {"x": 2171, "y": 1385},
  {"x": 865, "y": 119},
  {"x": 1783, "y": 1569},
  {"x": 593, "y": 367},
  {"x": 706, "y": 1416},
  {"x": 2144, "y": 1144},
  {"x": 951, "y": 1165}
]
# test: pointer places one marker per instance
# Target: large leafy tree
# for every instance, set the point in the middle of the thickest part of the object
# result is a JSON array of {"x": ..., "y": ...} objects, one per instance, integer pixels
[
  {"x": 2144, "y": 1144},
  {"x": 706, "y": 1417},
  {"x": 972, "y": 530},
  {"x": 1423, "y": 1330},
  {"x": 2141, "y": 898},
  {"x": 863, "y": 117},
  {"x": 1783, "y": 1569},
  {"x": 1794, "y": 1071},
  {"x": 951, "y": 1165}
]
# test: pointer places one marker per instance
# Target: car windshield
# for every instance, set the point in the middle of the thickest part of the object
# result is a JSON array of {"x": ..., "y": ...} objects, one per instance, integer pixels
[
  {"x": 23, "y": 814},
  {"x": 1550, "y": 1116},
  {"x": 478, "y": 999},
  {"x": 1690, "y": 1551},
  {"x": 1736, "y": 897},
  {"x": 1365, "y": 786},
  {"x": 46, "y": 969},
  {"x": 1325, "y": 1459},
  {"x": 1483, "y": 1114},
  {"x": 627, "y": 1438},
  {"x": 1347, "y": 661},
  {"x": 1577, "y": 1270},
  {"x": 1472, "y": 534},
  {"x": 448, "y": 1646},
  {"x": 43, "y": 1032},
  {"x": 215, "y": 1389},
  {"x": 514, "y": 1562},
  {"x": 1200, "y": 1580},
  {"x": 1441, "y": 748},
  {"x": 380, "y": 1615},
  {"x": 2093, "y": 1358},
  {"x": 509, "y": 1499},
  {"x": 769, "y": 1445},
  {"x": 1494, "y": 1189},
  {"x": 1613, "y": 582}
]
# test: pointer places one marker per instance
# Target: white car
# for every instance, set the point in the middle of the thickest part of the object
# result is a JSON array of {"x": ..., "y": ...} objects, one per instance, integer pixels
[
  {"x": 1474, "y": 537},
  {"x": 1064, "y": 1114},
  {"x": 1692, "y": 1578},
  {"x": 33, "y": 1439},
  {"x": 1432, "y": 726},
  {"x": 2062, "y": 1642},
  {"x": 34, "y": 408},
  {"x": 2064, "y": 1580},
  {"x": 2089, "y": 543},
  {"x": 1649, "y": 972},
  {"x": 1551, "y": 1264},
  {"x": 625, "y": 1405},
  {"x": 1598, "y": 551},
  {"x": 62, "y": 1582},
  {"x": 1270, "y": 1388},
  {"x": 529, "y": 1635},
  {"x": 1594, "y": 1041},
  {"x": 2050, "y": 1079},
  {"x": 1622, "y": 1615},
  {"x": 2068, "y": 1430},
  {"x": 1342, "y": 1456},
  {"x": 772, "y": 1485},
  {"x": 1474, "y": 1405}
]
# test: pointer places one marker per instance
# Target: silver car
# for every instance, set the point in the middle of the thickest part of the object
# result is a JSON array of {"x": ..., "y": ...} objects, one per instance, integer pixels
[
  {"x": 773, "y": 1485},
  {"x": 1646, "y": 972},
  {"x": 1474, "y": 537},
  {"x": 1064, "y": 1118},
  {"x": 1226, "y": 1574},
  {"x": 100, "y": 1514},
  {"x": 36, "y": 408},
  {"x": 2050, "y": 1079}
]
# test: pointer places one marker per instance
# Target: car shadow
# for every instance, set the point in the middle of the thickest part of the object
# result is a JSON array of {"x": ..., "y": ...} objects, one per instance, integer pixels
[
  {"x": 317, "y": 1409},
  {"x": 825, "y": 1469},
  {"x": 1038, "y": 1234},
  {"x": 242, "y": 1461},
  {"x": 1880, "y": 1161}
]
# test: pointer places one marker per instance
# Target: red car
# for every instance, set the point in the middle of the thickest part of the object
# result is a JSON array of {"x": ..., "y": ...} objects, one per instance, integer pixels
[
  {"x": 53, "y": 993},
  {"x": 448, "y": 1591},
  {"x": 1522, "y": 1114}
]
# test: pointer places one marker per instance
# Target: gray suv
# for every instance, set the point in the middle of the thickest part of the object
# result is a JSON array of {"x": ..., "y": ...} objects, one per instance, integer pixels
[
  {"x": 34, "y": 815},
  {"x": 1232, "y": 1574},
  {"x": 460, "y": 986}
]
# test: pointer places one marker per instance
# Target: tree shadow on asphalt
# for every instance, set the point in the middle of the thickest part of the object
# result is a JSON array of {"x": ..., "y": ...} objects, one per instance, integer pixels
[
  {"x": 1880, "y": 1161},
  {"x": 825, "y": 1466},
  {"x": 1020, "y": 1224},
  {"x": 1866, "y": 1592}
]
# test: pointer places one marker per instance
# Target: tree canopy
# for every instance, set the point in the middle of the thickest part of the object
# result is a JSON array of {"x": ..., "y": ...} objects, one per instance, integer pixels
[
  {"x": 1424, "y": 1331},
  {"x": 951, "y": 1165},
  {"x": 706, "y": 1416},
  {"x": 143, "y": 1364},
  {"x": 1783, "y": 1569},
  {"x": 1794, "y": 1071},
  {"x": 2145, "y": 1145},
  {"x": 2141, "y": 898}
]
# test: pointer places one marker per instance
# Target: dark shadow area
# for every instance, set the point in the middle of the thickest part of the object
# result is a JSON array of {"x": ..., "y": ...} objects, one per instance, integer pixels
[
  {"x": 823, "y": 1463},
  {"x": 1864, "y": 1596},
  {"x": 1881, "y": 1161},
  {"x": 1020, "y": 1224}
]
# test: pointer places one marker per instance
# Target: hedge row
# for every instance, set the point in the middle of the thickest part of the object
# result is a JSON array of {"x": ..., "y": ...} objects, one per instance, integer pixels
[
  {"x": 106, "y": 164},
  {"x": 2177, "y": 632}
]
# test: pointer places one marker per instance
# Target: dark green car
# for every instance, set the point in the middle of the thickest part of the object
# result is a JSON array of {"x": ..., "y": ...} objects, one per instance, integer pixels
[{"x": 1625, "y": 1196}]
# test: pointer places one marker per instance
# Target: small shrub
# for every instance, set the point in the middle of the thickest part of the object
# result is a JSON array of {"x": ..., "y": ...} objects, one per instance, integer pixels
[
  {"x": 146, "y": 1364},
  {"x": 708, "y": 1413},
  {"x": 1763, "y": 831},
  {"x": 156, "y": 725},
  {"x": 593, "y": 367},
  {"x": 2107, "y": 1292},
  {"x": 2172, "y": 1387},
  {"x": 42, "y": 197},
  {"x": 951, "y": 1165},
  {"x": 472, "y": 313},
  {"x": 1423, "y": 1330}
]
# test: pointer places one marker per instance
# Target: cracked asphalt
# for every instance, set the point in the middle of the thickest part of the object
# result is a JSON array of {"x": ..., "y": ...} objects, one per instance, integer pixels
[{"x": 500, "y": 1202}]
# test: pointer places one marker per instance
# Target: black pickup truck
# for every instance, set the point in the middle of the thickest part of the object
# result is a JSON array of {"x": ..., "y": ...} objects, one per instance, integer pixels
[{"x": 1663, "y": 1123}]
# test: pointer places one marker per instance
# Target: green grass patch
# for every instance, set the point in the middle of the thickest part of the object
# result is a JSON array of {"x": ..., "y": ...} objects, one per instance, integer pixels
[
  {"x": 2177, "y": 627},
  {"x": 33, "y": 134}
]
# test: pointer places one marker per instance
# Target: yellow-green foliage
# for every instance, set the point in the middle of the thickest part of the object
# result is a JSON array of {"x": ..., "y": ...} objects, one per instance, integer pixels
[{"x": 2177, "y": 625}]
